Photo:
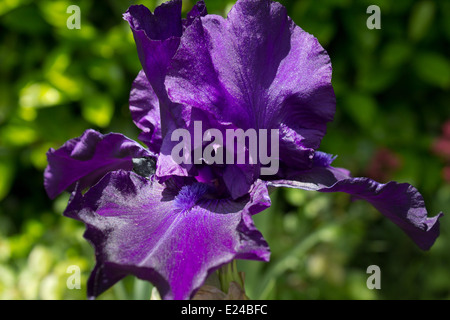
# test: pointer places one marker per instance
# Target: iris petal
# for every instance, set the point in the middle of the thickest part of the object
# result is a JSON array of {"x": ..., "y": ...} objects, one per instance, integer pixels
[
  {"x": 157, "y": 36},
  {"x": 144, "y": 108},
  {"x": 400, "y": 202},
  {"x": 173, "y": 237},
  {"x": 87, "y": 158},
  {"x": 256, "y": 69}
]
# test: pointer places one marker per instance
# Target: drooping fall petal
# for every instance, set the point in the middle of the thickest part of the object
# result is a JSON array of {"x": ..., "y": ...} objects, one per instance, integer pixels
[
  {"x": 400, "y": 202},
  {"x": 174, "y": 237},
  {"x": 87, "y": 158}
]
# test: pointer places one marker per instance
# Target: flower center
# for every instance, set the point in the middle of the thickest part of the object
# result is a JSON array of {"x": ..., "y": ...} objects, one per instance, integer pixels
[{"x": 188, "y": 196}]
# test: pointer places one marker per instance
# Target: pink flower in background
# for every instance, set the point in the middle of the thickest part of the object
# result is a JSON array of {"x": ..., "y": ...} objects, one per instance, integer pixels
[
  {"x": 441, "y": 147},
  {"x": 383, "y": 165}
]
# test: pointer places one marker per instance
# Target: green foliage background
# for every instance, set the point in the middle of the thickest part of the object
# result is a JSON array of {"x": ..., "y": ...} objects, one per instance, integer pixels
[{"x": 392, "y": 87}]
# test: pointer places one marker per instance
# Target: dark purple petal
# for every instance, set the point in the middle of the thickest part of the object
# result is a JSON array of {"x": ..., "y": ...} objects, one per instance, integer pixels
[
  {"x": 257, "y": 69},
  {"x": 314, "y": 179},
  {"x": 157, "y": 36},
  {"x": 163, "y": 24},
  {"x": 144, "y": 107},
  {"x": 238, "y": 179},
  {"x": 400, "y": 202},
  {"x": 198, "y": 10},
  {"x": 146, "y": 113},
  {"x": 170, "y": 236},
  {"x": 322, "y": 159},
  {"x": 185, "y": 118},
  {"x": 87, "y": 158}
]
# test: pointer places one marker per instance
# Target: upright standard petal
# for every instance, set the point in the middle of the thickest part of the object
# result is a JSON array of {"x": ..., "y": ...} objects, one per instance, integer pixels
[
  {"x": 198, "y": 10},
  {"x": 157, "y": 36},
  {"x": 87, "y": 158},
  {"x": 400, "y": 202},
  {"x": 174, "y": 237},
  {"x": 257, "y": 69},
  {"x": 144, "y": 108}
]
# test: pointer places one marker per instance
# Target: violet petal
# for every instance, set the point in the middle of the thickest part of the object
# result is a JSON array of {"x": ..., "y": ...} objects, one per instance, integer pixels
[
  {"x": 172, "y": 237},
  {"x": 400, "y": 202},
  {"x": 87, "y": 158},
  {"x": 144, "y": 108},
  {"x": 256, "y": 69},
  {"x": 157, "y": 36}
]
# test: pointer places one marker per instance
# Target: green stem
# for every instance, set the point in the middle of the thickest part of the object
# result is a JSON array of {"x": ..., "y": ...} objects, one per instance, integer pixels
[{"x": 227, "y": 274}]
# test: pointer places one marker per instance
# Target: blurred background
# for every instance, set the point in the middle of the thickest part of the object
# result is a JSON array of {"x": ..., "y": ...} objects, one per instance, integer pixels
[{"x": 392, "y": 123}]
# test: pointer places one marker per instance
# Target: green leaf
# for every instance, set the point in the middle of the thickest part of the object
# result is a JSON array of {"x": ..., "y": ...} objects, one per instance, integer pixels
[
  {"x": 25, "y": 20},
  {"x": 8, "y": 5},
  {"x": 421, "y": 18},
  {"x": 142, "y": 289},
  {"x": 38, "y": 95},
  {"x": 6, "y": 173},
  {"x": 361, "y": 108},
  {"x": 17, "y": 135},
  {"x": 98, "y": 109},
  {"x": 433, "y": 68},
  {"x": 395, "y": 54}
]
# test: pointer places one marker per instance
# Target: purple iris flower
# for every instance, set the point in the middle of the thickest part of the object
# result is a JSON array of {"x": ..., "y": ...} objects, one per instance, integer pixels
[{"x": 174, "y": 224}]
